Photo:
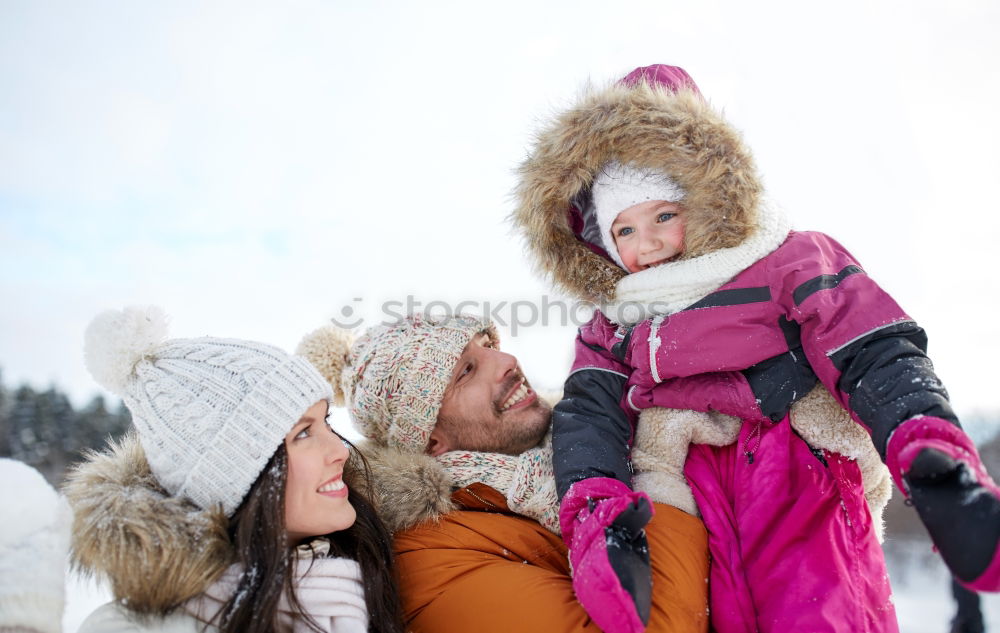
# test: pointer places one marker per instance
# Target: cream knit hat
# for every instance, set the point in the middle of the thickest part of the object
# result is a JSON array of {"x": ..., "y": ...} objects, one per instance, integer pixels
[
  {"x": 210, "y": 411},
  {"x": 394, "y": 376},
  {"x": 618, "y": 187}
]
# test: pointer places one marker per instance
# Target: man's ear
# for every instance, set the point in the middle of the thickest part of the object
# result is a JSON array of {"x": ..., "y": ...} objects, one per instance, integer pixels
[{"x": 438, "y": 442}]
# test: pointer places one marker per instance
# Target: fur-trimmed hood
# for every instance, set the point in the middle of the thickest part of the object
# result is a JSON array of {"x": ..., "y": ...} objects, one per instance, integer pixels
[
  {"x": 156, "y": 551},
  {"x": 645, "y": 124}
]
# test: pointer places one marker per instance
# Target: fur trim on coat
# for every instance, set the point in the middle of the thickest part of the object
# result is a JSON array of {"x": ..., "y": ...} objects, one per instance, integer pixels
[
  {"x": 156, "y": 551},
  {"x": 647, "y": 126},
  {"x": 407, "y": 488}
]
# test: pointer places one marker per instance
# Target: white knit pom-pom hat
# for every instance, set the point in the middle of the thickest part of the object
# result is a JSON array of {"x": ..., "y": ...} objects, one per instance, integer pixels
[
  {"x": 618, "y": 187},
  {"x": 210, "y": 411}
]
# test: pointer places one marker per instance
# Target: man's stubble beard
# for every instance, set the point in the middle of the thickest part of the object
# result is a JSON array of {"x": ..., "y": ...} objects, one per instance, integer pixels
[{"x": 497, "y": 435}]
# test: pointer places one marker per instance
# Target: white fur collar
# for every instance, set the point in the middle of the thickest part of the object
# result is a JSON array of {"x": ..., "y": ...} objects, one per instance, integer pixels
[{"x": 672, "y": 287}]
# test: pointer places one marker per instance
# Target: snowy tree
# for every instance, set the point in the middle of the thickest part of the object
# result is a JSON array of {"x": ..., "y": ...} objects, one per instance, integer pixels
[
  {"x": 96, "y": 424},
  {"x": 4, "y": 414},
  {"x": 53, "y": 423},
  {"x": 43, "y": 429},
  {"x": 21, "y": 434}
]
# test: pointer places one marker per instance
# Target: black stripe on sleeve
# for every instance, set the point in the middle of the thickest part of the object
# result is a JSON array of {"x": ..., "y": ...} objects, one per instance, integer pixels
[
  {"x": 823, "y": 282},
  {"x": 593, "y": 346},
  {"x": 732, "y": 297}
]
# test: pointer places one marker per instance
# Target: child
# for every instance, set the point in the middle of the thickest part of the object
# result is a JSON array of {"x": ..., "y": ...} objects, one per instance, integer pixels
[
  {"x": 232, "y": 508},
  {"x": 644, "y": 200}
]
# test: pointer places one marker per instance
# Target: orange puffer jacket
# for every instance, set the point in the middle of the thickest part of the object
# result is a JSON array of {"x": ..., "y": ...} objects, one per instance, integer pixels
[{"x": 483, "y": 568}]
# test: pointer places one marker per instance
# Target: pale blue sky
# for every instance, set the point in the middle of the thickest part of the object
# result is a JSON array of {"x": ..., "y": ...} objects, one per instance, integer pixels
[{"x": 253, "y": 167}]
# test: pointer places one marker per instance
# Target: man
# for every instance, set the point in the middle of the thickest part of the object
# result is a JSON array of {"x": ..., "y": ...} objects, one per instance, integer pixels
[{"x": 458, "y": 444}]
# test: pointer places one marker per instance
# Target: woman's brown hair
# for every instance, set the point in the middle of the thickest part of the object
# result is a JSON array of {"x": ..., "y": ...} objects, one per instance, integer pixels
[{"x": 258, "y": 533}]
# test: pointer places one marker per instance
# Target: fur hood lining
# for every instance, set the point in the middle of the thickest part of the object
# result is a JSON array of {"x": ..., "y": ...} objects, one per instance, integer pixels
[
  {"x": 646, "y": 126},
  {"x": 156, "y": 551}
]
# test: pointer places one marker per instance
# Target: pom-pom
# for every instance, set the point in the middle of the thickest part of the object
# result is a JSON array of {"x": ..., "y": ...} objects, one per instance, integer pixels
[
  {"x": 116, "y": 340},
  {"x": 327, "y": 349}
]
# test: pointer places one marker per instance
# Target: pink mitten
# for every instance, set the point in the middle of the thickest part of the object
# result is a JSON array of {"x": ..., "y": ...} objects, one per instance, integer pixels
[
  {"x": 937, "y": 466},
  {"x": 603, "y": 523}
]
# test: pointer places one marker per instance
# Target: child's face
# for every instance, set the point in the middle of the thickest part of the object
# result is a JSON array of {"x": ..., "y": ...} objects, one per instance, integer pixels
[{"x": 649, "y": 234}]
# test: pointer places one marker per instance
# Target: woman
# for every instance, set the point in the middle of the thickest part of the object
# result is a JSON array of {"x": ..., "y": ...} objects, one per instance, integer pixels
[{"x": 232, "y": 507}]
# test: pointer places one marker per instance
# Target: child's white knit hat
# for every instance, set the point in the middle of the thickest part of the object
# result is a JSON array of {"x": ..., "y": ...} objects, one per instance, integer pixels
[
  {"x": 34, "y": 543},
  {"x": 618, "y": 187},
  {"x": 210, "y": 411}
]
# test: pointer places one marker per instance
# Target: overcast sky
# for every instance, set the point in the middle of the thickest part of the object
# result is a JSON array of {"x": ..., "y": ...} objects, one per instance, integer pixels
[{"x": 257, "y": 168}]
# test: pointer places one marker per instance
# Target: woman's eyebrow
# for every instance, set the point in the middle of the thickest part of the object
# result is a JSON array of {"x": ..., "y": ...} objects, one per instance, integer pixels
[{"x": 304, "y": 421}]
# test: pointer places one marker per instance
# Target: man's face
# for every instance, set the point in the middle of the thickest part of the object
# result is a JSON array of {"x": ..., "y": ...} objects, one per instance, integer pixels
[{"x": 488, "y": 405}]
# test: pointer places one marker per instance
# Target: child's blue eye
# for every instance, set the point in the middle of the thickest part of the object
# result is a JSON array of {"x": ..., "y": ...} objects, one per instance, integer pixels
[
  {"x": 664, "y": 217},
  {"x": 301, "y": 435},
  {"x": 628, "y": 230}
]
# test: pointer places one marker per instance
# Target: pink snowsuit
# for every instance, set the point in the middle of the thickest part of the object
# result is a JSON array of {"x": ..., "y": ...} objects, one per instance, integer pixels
[{"x": 792, "y": 541}]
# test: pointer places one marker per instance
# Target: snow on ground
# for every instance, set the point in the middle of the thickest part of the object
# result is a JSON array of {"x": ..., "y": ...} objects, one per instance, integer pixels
[{"x": 920, "y": 583}]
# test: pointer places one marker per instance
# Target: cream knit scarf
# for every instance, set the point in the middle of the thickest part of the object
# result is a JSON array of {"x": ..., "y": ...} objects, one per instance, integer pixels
[
  {"x": 329, "y": 590},
  {"x": 526, "y": 480},
  {"x": 674, "y": 286}
]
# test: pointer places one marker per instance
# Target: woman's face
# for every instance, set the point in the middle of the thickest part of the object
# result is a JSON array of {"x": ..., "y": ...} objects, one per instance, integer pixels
[{"x": 315, "y": 493}]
